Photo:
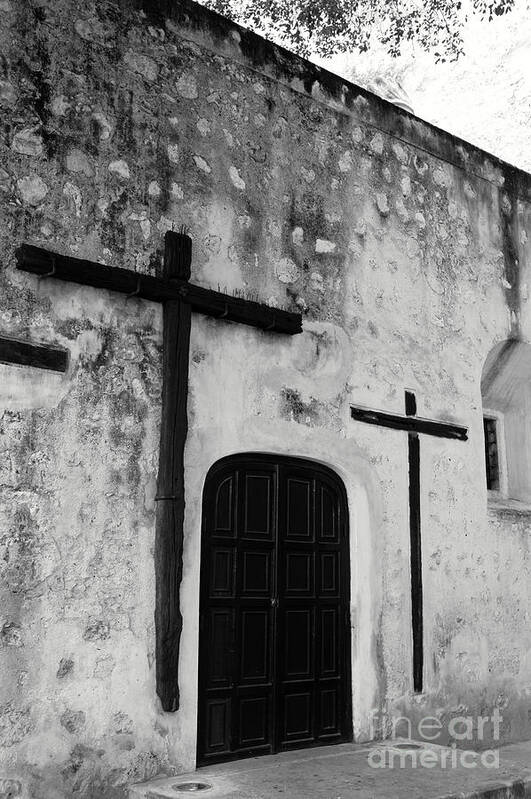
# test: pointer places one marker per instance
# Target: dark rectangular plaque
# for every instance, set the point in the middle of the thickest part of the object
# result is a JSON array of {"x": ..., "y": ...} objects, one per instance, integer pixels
[{"x": 40, "y": 356}]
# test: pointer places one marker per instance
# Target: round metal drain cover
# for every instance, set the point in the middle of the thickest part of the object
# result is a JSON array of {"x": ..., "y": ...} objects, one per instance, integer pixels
[
  {"x": 407, "y": 746},
  {"x": 192, "y": 786}
]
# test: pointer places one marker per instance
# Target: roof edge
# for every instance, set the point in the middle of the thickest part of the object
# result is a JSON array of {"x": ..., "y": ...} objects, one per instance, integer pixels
[{"x": 216, "y": 32}]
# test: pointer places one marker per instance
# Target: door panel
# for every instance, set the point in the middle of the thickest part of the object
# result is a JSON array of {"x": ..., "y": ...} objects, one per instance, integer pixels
[
  {"x": 254, "y": 727},
  {"x": 299, "y": 574},
  {"x": 298, "y": 508},
  {"x": 255, "y": 646},
  {"x": 274, "y": 665},
  {"x": 221, "y": 572},
  {"x": 224, "y": 507},
  {"x": 257, "y": 505},
  {"x": 298, "y": 718},
  {"x": 256, "y": 574},
  {"x": 298, "y": 638},
  {"x": 329, "y": 716},
  {"x": 221, "y": 626},
  {"x": 218, "y": 716}
]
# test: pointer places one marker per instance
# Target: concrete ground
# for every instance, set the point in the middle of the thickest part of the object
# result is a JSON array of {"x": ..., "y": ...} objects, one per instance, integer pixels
[{"x": 389, "y": 770}]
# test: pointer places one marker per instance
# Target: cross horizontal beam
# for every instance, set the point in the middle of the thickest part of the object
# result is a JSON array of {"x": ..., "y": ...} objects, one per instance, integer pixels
[
  {"x": 125, "y": 281},
  {"x": 411, "y": 424}
]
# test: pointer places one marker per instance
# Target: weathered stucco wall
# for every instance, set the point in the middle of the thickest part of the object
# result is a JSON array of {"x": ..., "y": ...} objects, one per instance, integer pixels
[{"x": 406, "y": 251}]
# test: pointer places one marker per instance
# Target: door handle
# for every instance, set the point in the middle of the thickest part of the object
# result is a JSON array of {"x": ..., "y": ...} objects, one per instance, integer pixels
[{"x": 274, "y": 602}]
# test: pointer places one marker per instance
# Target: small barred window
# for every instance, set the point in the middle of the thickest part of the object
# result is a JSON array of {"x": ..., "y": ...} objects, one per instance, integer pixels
[{"x": 492, "y": 465}]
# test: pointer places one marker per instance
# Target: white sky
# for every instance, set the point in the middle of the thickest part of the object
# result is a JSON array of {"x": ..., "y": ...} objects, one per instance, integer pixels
[{"x": 485, "y": 97}]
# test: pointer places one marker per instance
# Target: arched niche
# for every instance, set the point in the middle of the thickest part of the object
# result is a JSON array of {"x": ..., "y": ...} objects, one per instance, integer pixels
[{"x": 506, "y": 396}]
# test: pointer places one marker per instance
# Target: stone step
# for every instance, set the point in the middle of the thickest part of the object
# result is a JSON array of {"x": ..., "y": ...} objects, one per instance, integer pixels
[{"x": 396, "y": 769}]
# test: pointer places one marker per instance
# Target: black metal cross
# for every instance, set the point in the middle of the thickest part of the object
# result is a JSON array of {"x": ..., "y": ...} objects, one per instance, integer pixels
[
  {"x": 179, "y": 298},
  {"x": 414, "y": 425}
]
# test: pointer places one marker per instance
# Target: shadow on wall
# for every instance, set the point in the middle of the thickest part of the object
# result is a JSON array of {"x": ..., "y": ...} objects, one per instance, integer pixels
[{"x": 506, "y": 396}]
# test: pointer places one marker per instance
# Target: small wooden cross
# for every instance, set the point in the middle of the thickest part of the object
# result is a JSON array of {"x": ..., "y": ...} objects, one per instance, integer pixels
[
  {"x": 179, "y": 298},
  {"x": 414, "y": 425}
]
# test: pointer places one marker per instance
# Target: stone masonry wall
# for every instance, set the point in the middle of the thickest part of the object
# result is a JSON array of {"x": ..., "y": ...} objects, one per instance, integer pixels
[{"x": 406, "y": 251}]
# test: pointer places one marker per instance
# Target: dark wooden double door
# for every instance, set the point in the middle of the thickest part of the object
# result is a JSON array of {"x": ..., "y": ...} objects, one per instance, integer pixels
[{"x": 274, "y": 659}]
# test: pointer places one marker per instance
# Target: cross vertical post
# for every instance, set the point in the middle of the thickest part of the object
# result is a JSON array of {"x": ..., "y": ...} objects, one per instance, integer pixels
[
  {"x": 415, "y": 547},
  {"x": 170, "y": 486}
]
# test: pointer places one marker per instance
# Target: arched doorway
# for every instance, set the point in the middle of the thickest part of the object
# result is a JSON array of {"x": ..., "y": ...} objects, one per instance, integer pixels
[{"x": 274, "y": 649}]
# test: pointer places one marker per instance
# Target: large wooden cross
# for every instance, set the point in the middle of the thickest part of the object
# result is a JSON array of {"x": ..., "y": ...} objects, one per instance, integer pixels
[
  {"x": 414, "y": 425},
  {"x": 179, "y": 298}
]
